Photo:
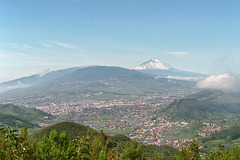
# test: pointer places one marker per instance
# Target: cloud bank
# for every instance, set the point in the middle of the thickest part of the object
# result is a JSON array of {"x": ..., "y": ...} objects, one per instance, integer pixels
[
  {"x": 18, "y": 85},
  {"x": 224, "y": 81}
]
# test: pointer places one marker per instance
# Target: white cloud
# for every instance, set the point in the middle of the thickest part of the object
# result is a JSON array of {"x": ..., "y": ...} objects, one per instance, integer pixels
[
  {"x": 42, "y": 73},
  {"x": 60, "y": 44},
  {"x": 18, "y": 85},
  {"x": 16, "y": 58},
  {"x": 224, "y": 81},
  {"x": 11, "y": 57},
  {"x": 18, "y": 46},
  {"x": 47, "y": 45},
  {"x": 185, "y": 78},
  {"x": 177, "y": 53}
]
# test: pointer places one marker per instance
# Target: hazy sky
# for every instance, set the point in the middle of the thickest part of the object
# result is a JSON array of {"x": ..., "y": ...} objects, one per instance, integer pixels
[{"x": 194, "y": 35}]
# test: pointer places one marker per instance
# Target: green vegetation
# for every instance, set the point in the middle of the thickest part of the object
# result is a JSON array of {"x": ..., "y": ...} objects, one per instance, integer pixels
[
  {"x": 73, "y": 130},
  {"x": 120, "y": 138},
  {"x": 191, "y": 131},
  {"x": 207, "y": 105},
  {"x": 189, "y": 109},
  {"x": 18, "y": 116},
  {"x": 58, "y": 146},
  {"x": 228, "y": 134},
  {"x": 15, "y": 122},
  {"x": 222, "y": 153},
  {"x": 167, "y": 151},
  {"x": 231, "y": 100},
  {"x": 26, "y": 113}
]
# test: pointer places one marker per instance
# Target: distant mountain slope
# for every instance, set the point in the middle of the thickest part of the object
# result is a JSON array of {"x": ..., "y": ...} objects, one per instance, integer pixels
[
  {"x": 205, "y": 104},
  {"x": 229, "y": 99},
  {"x": 206, "y": 95},
  {"x": 73, "y": 130},
  {"x": 24, "y": 81},
  {"x": 111, "y": 82},
  {"x": 190, "y": 109},
  {"x": 96, "y": 73},
  {"x": 158, "y": 68},
  {"x": 34, "y": 79}
]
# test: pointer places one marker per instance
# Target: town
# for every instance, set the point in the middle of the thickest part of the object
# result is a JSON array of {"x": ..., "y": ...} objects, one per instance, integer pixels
[{"x": 140, "y": 119}]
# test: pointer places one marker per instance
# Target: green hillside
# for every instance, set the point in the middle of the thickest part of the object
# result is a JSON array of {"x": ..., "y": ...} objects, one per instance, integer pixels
[
  {"x": 58, "y": 145},
  {"x": 165, "y": 150},
  {"x": 230, "y": 99},
  {"x": 192, "y": 130},
  {"x": 23, "y": 112},
  {"x": 189, "y": 109},
  {"x": 73, "y": 130},
  {"x": 228, "y": 137},
  {"x": 118, "y": 141},
  {"x": 15, "y": 122},
  {"x": 120, "y": 137},
  {"x": 228, "y": 134},
  {"x": 18, "y": 116}
]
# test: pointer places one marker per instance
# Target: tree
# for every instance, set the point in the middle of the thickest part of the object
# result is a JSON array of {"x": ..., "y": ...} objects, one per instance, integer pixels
[
  {"x": 222, "y": 153},
  {"x": 14, "y": 146},
  {"x": 133, "y": 151},
  {"x": 55, "y": 147},
  {"x": 158, "y": 156},
  {"x": 189, "y": 153}
]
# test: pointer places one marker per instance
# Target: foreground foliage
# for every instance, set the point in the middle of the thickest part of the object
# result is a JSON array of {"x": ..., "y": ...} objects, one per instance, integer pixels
[{"x": 93, "y": 147}]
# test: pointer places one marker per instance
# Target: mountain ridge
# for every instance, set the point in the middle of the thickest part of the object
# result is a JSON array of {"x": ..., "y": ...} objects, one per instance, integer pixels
[
  {"x": 116, "y": 82},
  {"x": 35, "y": 79},
  {"x": 152, "y": 67}
]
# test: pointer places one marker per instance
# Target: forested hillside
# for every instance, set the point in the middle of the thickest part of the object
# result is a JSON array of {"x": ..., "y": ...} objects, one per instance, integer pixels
[
  {"x": 189, "y": 109},
  {"x": 19, "y": 116}
]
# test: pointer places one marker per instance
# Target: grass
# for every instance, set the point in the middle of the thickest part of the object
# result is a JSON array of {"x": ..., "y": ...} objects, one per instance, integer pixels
[{"x": 192, "y": 131}]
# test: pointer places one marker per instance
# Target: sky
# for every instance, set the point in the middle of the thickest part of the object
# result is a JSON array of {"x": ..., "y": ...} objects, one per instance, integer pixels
[{"x": 194, "y": 35}]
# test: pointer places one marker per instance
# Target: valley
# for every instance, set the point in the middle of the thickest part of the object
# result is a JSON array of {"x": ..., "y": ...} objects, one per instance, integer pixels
[
  {"x": 119, "y": 80},
  {"x": 142, "y": 120},
  {"x": 151, "y": 109},
  {"x": 145, "y": 120}
]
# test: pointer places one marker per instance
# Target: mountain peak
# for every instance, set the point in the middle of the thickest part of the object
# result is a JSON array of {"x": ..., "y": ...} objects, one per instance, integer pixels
[{"x": 153, "y": 64}]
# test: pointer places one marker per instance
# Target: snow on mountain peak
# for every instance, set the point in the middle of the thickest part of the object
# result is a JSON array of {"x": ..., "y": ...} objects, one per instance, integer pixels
[{"x": 152, "y": 65}]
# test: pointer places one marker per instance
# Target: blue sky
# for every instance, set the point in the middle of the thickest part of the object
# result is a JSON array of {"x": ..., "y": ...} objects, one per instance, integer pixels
[{"x": 194, "y": 35}]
